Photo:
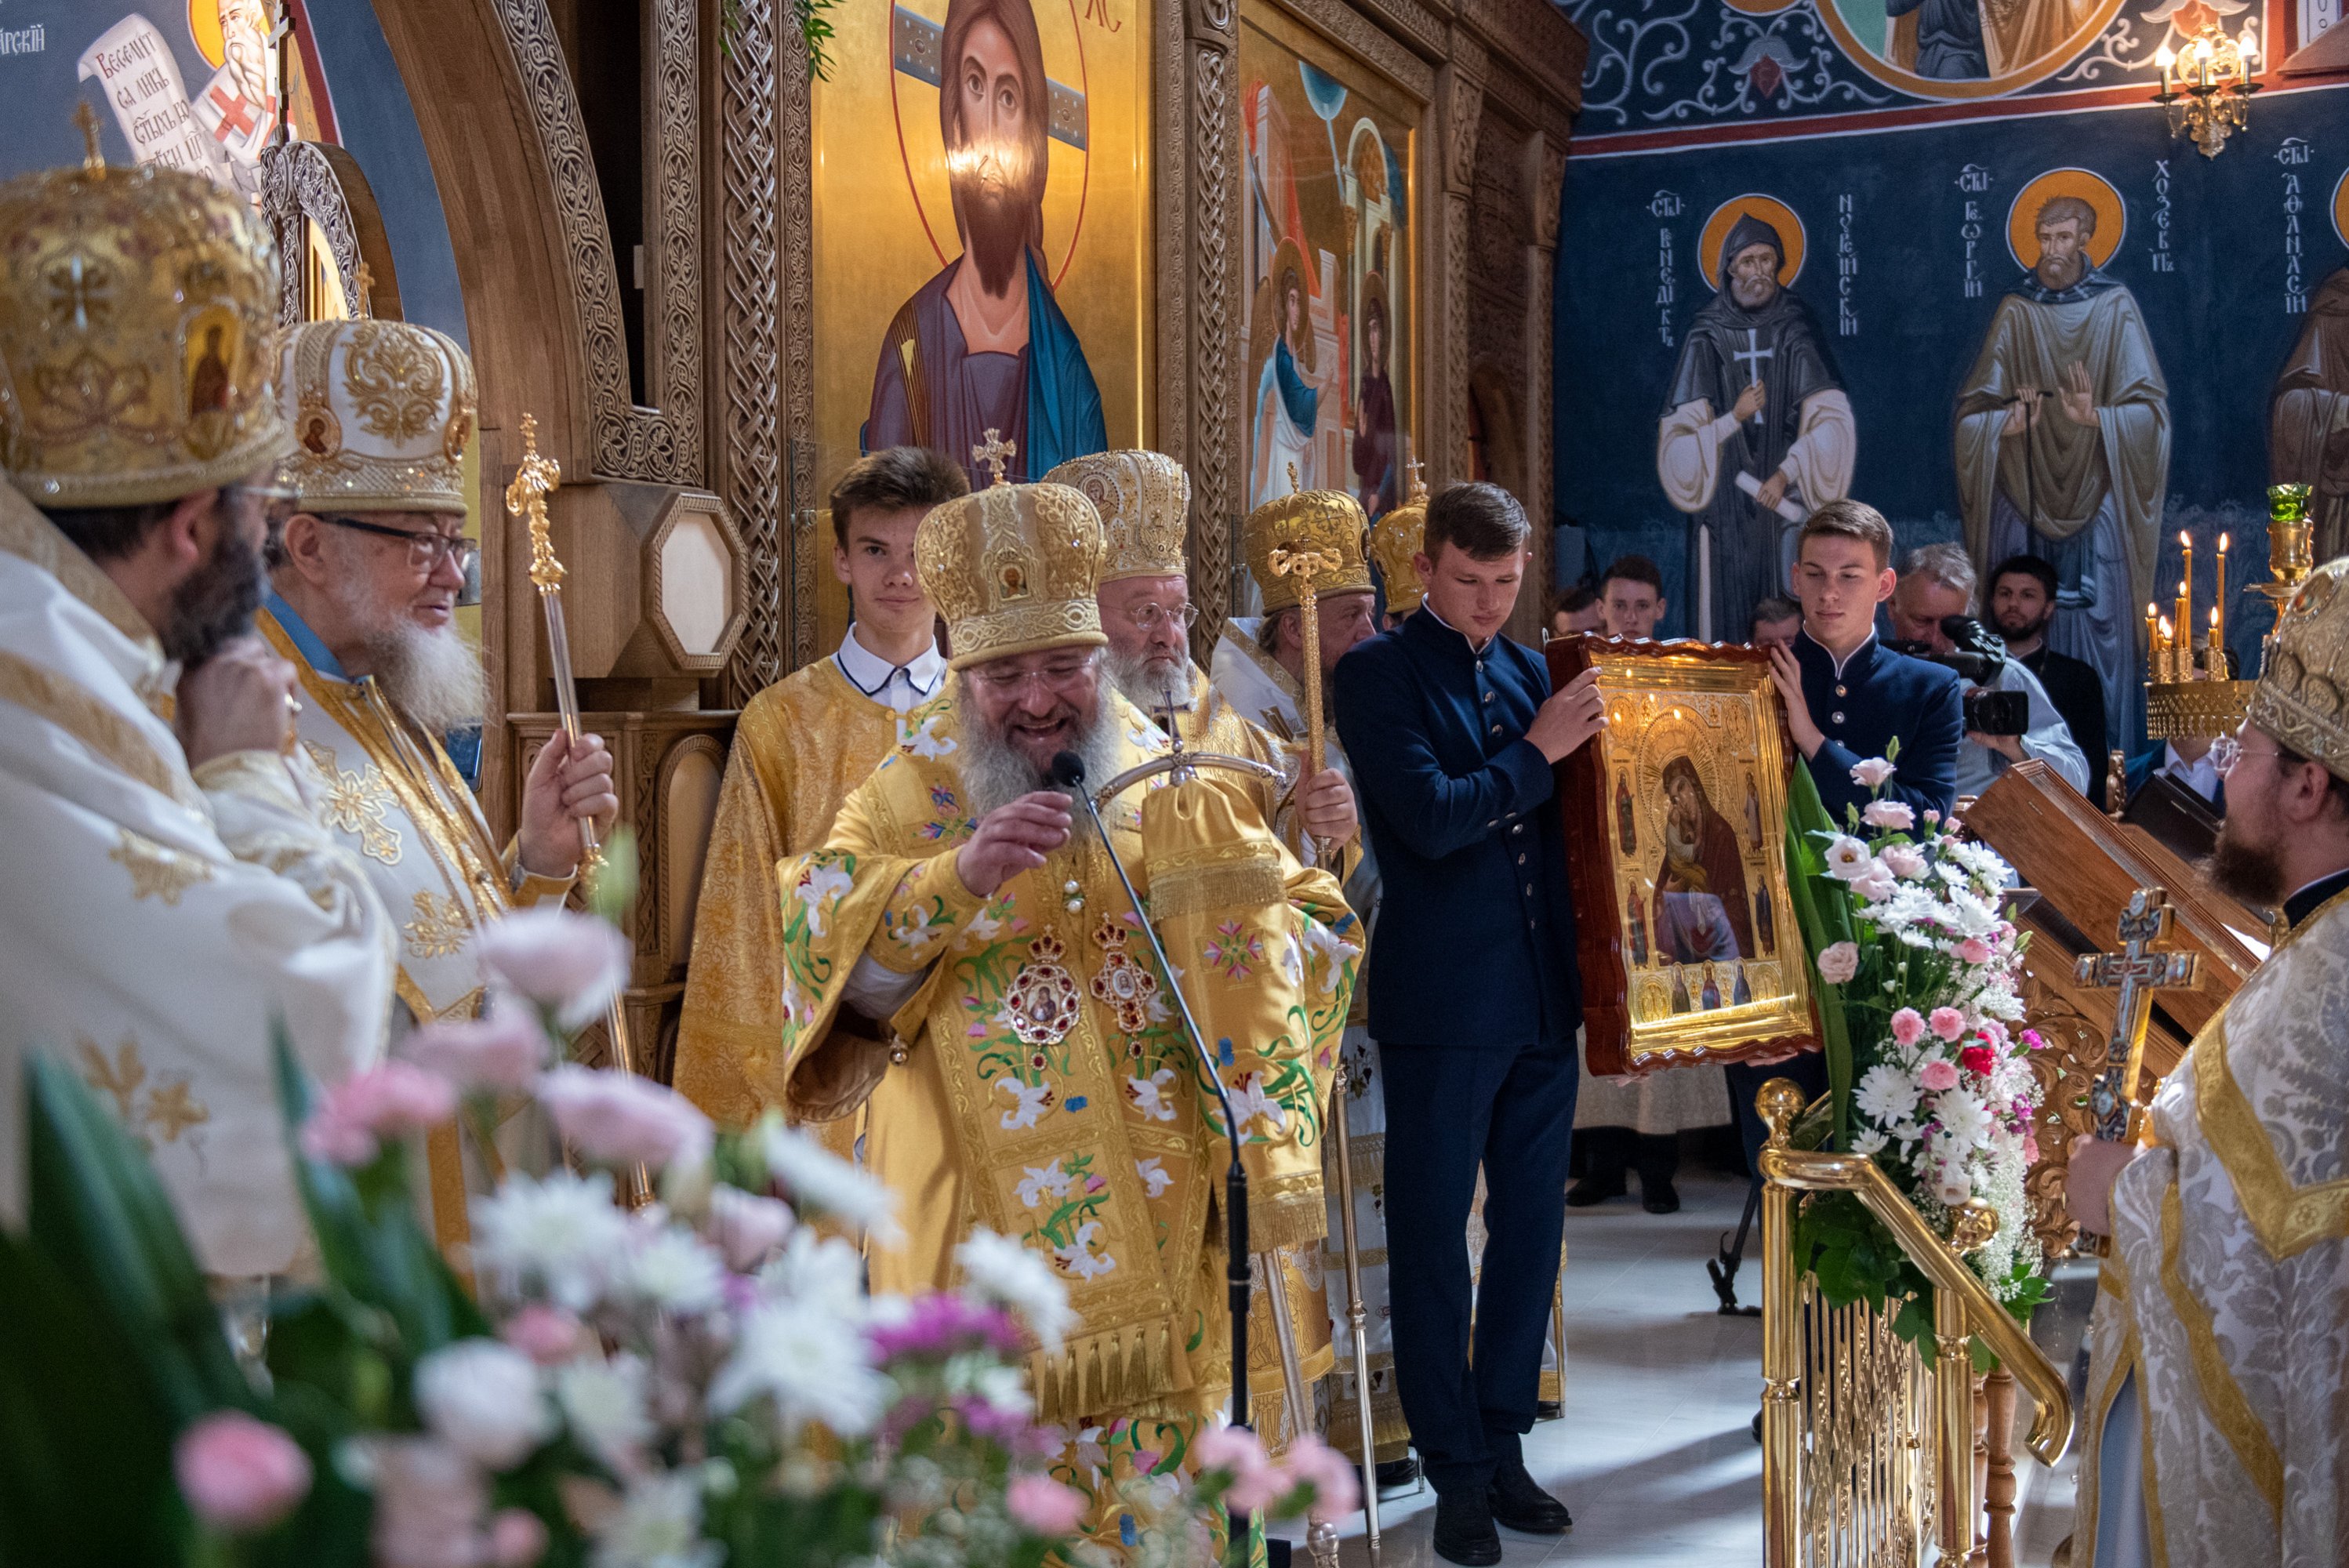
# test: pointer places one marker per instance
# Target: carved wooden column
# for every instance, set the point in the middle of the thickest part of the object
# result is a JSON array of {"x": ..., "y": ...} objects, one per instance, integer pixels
[
  {"x": 1217, "y": 432},
  {"x": 1460, "y": 105},
  {"x": 1545, "y": 172},
  {"x": 750, "y": 444}
]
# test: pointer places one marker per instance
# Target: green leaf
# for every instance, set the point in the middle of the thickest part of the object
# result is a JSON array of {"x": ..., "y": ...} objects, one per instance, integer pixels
[{"x": 1823, "y": 912}]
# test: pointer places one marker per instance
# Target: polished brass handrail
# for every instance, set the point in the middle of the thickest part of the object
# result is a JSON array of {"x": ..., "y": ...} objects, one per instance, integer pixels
[{"x": 1963, "y": 1307}]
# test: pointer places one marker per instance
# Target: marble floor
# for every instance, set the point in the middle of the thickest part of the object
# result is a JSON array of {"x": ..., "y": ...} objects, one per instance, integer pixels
[{"x": 1653, "y": 1454}]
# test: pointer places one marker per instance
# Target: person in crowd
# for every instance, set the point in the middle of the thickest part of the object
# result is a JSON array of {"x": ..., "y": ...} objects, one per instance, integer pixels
[
  {"x": 1631, "y": 592},
  {"x": 1937, "y": 583},
  {"x": 2021, "y": 610}
]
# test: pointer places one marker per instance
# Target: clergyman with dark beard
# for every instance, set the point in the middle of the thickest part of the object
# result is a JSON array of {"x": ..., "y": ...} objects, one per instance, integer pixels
[
  {"x": 982, "y": 346},
  {"x": 1755, "y": 399},
  {"x": 167, "y": 896}
]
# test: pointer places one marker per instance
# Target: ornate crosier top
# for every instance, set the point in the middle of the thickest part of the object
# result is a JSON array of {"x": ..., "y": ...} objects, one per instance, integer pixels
[
  {"x": 538, "y": 478},
  {"x": 995, "y": 452}
]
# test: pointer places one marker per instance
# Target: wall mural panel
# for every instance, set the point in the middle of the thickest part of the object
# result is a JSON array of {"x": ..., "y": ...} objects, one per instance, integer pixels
[{"x": 1898, "y": 251}]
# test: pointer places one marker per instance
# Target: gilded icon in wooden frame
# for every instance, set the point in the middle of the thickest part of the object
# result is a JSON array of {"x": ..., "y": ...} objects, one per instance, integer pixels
[{"x": 1675, "y": 828}]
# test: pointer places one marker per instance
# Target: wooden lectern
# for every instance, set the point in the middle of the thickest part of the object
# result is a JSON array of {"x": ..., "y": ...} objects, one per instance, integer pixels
[{"x": 2086, "y": 868}]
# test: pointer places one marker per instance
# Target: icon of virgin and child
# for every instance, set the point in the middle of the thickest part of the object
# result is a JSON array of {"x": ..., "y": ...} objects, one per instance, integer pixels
[
  {"x": 984, "y": 346},
  {"x": 1703, "y": 909}
]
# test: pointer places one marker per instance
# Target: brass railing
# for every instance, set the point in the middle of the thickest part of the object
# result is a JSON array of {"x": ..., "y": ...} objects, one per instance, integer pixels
[{"x": 1868, "y": 1447}]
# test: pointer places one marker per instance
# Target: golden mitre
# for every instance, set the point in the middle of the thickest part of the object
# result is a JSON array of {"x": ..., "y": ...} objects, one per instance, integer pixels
[
  {"x": 1329, "y": 522},
  {"x": 1395, "y": 540},
  {"x": 1145, "y": 500},
  {"x": 138, "y": 322},
  {"x": 2302, "y": 699},
  {"x": 1013, "y": 569},
  {"x": 381, "y": 413}
]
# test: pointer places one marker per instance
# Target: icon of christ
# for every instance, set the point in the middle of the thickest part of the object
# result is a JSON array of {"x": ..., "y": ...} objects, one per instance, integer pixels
[{"x": 984, "y": 346}]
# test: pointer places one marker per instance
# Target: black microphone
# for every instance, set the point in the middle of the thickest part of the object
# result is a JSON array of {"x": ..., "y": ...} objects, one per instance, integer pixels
[{"x": 1069, "y": 771}]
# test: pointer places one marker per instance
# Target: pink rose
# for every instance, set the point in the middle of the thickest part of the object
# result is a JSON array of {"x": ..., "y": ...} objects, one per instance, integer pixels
[
  {"x": 547, "y": 1334},
  {"x": 1336, "y": 1486},
  {"x": 1908, "y": 1026},
  {"x": 1938, "y": 1075},
  {"x": 618, "y": 1118},
  {"x": 1974, "y": 950},
  {"x": 239, "y": 1475},
  {"x": 428, "y": 1503},
  {"x": 352, "y": 1118},
  {"x": 2032, "y": 1040},
  {"x": 570, "y": 965},
  {"x": 1947, "y": 1023},
  {"x": 517, "y": 1540},
  {"x": 1877, "y": 885},
  {"x": 1896, "y": 815},
  {"x": 501, "y": 1053},
  {"x": 1838, "y": 963},
  {"x": 1871, "y": 773},
  {"x": 1931, "y": 815},
  {"x": 747, "y": 1227},
  {"x": 1043, "y": 1506},
  {"x": 1905, "y": 861},
  {"x": 2031, "y": 1148},
  {"x": 1235, "y": 1450}
]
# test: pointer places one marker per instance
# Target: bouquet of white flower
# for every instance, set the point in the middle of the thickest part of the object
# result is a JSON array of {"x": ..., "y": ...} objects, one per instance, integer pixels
[
  {"x": 697, "y": 1381},
  {"x": 1918, "y": 968}
]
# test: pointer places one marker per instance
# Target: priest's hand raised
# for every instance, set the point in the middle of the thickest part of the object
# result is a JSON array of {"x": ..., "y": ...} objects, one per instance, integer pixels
[
  {"x": 1574, "y": 713},
  {"x": 1013, "y": 839}
]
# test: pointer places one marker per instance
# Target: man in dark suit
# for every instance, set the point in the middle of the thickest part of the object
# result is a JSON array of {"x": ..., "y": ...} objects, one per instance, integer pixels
[
  {"x": 1454, "y": 732},
  {"x": 2021, "y": 605},
  {"x": 1848, "y": 699}
]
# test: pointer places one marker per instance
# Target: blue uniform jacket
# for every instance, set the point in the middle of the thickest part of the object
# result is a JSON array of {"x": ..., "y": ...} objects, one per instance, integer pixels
[
  {"x": 1877, "y": 697},
  {"x": 1476, "y": 932}
]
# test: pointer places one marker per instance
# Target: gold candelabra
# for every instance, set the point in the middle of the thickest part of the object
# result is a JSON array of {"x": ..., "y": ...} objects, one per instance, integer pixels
[
  {"x": 2208, "y": 89},
  {"x": 2191, "y": 690}
]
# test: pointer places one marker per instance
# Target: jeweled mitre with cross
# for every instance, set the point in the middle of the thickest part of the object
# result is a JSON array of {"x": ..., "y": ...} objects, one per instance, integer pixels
[{"x": 1013, "y": 569}]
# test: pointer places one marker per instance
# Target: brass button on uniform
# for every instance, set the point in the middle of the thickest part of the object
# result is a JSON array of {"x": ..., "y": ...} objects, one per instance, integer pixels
[
  {"x": 1840, "y": 692},
  {"x": 1835, "y": 718}
]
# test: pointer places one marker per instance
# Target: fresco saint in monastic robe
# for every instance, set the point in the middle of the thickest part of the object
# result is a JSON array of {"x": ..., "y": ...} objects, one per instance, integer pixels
[
  {"x": 1755, "y": 394},
  {"x": 2308, "y": 419},
  {"x": 984, "y": 346},
  {"x": 2063, "y": 449}
]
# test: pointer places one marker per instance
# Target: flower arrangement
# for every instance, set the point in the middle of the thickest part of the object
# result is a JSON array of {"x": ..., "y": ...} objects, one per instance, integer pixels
[
  {"x": 702, "y": 1380},
  {"x": 1916, "y": 969}
]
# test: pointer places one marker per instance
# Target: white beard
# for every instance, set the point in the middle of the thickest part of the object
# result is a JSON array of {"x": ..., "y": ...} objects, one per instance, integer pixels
[
  {"x": 434, "y": 677},
  {"x": 1146, "y": 687},
  {"x": 995, "y": 774}
]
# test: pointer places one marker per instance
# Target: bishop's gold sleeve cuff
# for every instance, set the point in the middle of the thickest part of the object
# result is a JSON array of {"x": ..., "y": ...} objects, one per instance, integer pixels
[
  {"x": 529, "y": 889},
  {"x": 928, "y": 905}
]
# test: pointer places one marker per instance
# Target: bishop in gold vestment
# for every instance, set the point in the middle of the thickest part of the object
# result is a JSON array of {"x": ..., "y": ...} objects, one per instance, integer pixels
[
  {"x": 801, "y": 746},
  {"x": 366, "y": 570},
  {"x": 2220, "y": 1344},
  {"x": 1025, "y": 1069}
]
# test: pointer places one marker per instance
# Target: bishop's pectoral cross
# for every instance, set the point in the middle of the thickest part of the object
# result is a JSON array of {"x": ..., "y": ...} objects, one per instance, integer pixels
[
  {"x": 1751, "y": 356},
  {"x": 994, "y": 453},
  {"x": 2136, "y": 972}
]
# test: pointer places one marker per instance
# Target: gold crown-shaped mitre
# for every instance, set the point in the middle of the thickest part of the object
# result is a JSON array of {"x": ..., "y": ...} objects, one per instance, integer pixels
[
  {"x": 2302, "y": 699},
  {"x": 1013, "y": 569},
  {"x": 381, "y": 413},
  {"x": 1395, "y": 540},
  {"x": 1145, "y": 500},
  {"x": 1328, "y": 522},
  {"x": 138, "y": 322}
]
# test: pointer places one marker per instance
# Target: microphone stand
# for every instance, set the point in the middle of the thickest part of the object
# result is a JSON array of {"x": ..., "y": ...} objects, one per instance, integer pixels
[{"x": 1069, "y": 771}]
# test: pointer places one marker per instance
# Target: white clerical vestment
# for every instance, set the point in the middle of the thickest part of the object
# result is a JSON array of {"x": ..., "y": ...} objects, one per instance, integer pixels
[
  {"x": 2216, "y": 1430},
  {"x": 155, "y": 924},
  {"x": 393, "y": 798}
]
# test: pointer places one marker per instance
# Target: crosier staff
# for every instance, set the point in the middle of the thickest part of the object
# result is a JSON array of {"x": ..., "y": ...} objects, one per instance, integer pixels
[
  {"x": 1305, "y": 566},
  {"x": 539, "y": 476}
]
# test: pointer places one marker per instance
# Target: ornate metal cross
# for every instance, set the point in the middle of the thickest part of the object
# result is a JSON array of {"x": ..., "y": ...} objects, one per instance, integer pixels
[
  {"x": 363, "y": 307},
  {"x": 995, "y": 452},
  {"x": 2136, "y": 972}
]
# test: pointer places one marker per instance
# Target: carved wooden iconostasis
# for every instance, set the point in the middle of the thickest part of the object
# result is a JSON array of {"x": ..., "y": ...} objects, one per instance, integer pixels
[{"x": 699, "y": 266}]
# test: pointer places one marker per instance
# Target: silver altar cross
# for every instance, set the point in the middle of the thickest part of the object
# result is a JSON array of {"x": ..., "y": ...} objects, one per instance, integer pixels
[
  {"x": 2136, "y": 972},
  {"x": 1751, "y": 356}
]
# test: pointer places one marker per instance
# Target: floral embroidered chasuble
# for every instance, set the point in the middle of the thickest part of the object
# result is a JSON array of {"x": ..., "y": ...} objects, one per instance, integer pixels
[{"x": 1102, "y": 1148}]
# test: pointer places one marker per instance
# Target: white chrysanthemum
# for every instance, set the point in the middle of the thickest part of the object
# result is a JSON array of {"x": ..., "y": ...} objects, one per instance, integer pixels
[
  {"x": 559, "y": 1234},
  {"x": 658, "y": 1525},
  {"x": 1001, "y": 1270},
  {"x": 814, "y": 1178},
  {"x": 812, "y": 1363},
  {"x": 1848, "y": 858},
  {"x": 1868, "y": 1143},
  {"x": 482, "y": 1398},
  {"x": 603, "y": 1403},
  {"x": 1965, "y": 1123},
  {"x": 824, "y": 1271},
  {"x": 1886, "y": 1095},
  {"x": 673, "y": 1270}
]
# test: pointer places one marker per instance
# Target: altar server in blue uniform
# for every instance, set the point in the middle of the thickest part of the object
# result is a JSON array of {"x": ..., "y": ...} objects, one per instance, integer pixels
[{"x": 1454, "y": 732}]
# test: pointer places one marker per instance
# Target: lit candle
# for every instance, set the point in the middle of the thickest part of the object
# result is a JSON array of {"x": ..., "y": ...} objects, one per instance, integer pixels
[
  {"x": 2153, "y": 635},
  {"x": 2218, "y": 610},
  {"x": 2164, "y": 59},
  {"x": 2248, "y": 46},
  {"x": 2182, "y": 623},
  {"x": 2165, "y": 668},
  {"x": 2214, "y": 657},
  {"x": 2186, "y": 588}
]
